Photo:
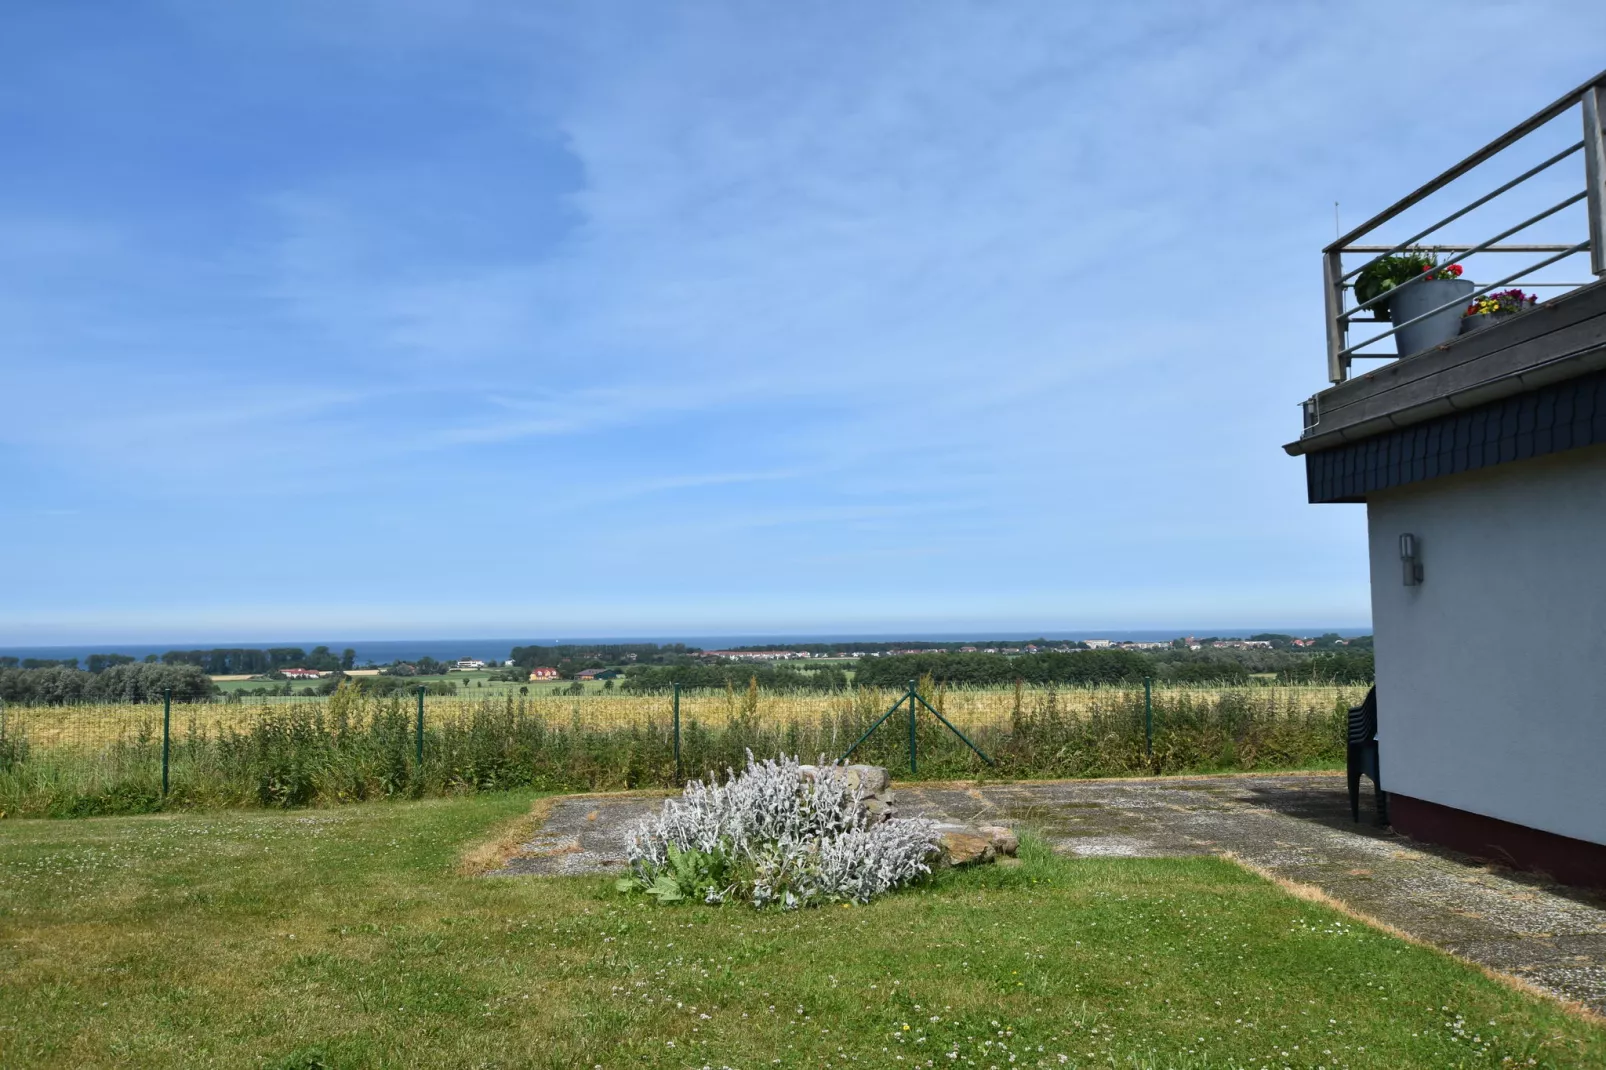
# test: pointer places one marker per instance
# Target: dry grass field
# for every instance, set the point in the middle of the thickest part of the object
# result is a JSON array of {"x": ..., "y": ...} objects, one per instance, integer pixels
[
  {"x": 349, "y": 746},
  {"x": 47, "y": 728}
]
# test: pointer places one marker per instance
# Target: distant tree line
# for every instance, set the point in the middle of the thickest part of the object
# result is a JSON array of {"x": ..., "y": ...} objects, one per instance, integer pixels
[
  {"x": 381, "y": 686},
  {"x": 882, "y": 646},
  {"x": 570, "y": 658},
  {"x": 1337, "y": 668},
  {"x": 240, "y": 661},
  {"x": 719, "y": 674},
  {"x": 378, "y": 686},
  {"x": 10, "y": 662},
  {"x": 1087, "y": 667},
  {"x": 1325, "y": 641},
  {"x": 425, "y": 666},
  {"x": 221, "y": 661},
  {"x": 991, "y": 670},
  {"x": 57, "y": 685}
]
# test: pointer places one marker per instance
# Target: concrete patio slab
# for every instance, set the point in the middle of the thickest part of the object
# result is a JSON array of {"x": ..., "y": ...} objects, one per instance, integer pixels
[{"x": 1293, "y": 827}]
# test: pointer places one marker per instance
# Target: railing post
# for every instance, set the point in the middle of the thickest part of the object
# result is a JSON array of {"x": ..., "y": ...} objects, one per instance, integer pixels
[
  {"x": 1337, "y": 333},
  {"x": 677, "y": 733},
  {"x": 1595, "y": 173},
  {"x": 167, "y": 733},
  {"x": 418, "y": 731},
  {"x": 914, "y": 765}
]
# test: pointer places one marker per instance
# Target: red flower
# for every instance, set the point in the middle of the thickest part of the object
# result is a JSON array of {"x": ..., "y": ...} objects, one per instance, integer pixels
[{"x": 1455, "y": 269}]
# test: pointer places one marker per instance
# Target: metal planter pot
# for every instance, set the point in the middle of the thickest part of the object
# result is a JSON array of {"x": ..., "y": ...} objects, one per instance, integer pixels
[{"x": 1411, "y": 301}]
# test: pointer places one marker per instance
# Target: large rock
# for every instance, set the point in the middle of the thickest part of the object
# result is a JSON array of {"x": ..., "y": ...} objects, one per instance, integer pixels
[
  {"x": 1005, "y": 842},
  {"x": 878, "y": 809},
  {"x": 869, "y": 779},
  {"x": 961, "y": 845}
]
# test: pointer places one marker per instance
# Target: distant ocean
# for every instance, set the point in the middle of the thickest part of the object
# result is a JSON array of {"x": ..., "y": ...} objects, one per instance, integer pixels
[{"x": 381, "y": 652}]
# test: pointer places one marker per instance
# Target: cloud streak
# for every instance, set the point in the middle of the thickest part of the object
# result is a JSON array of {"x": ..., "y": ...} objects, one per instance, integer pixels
[{"x": 765, "y": 315}]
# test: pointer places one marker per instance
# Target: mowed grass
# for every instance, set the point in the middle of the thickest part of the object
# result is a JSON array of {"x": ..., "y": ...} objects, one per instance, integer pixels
[
  {"x": 347, "y": 938},
  {"x": 476, "y": 683}
]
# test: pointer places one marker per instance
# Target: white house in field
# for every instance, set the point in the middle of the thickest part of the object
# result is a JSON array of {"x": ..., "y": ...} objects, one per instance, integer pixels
[{"x": 1479, "y": 452}]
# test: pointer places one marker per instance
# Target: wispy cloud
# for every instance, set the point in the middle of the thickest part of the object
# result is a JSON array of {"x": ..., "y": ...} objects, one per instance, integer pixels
[{"x": 1007, "y": 308}]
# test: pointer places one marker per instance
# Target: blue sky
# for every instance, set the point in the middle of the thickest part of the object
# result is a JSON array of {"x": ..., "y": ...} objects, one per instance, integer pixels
[{"x": 438, "y": 317}]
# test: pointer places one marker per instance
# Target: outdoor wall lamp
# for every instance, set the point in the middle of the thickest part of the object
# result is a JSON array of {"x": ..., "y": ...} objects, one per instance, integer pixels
[{"x": 1408, "y": 558}]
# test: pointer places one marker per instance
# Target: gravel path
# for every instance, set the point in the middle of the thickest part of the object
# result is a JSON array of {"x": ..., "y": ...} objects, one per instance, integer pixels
[{"x": 1295, "y": 827}]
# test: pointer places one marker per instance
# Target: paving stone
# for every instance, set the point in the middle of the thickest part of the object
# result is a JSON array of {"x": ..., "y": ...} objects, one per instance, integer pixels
[{"x": 582, "y": 834}]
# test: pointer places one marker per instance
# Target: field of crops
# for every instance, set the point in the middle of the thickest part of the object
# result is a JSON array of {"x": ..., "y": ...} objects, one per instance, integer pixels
[
  {"x": 47, "y": 727},
  {"x": 70, "y": 760}
]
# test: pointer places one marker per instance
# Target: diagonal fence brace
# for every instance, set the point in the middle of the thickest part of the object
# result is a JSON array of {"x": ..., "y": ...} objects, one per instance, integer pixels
[
  {"x": 871, "y": 730},
  {"x": 913, "y": 696},
  {"x": 962, "y": 737}
]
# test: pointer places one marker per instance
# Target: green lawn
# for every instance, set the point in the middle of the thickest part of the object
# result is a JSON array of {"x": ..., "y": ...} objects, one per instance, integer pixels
[{"x": 345, "y": 938}]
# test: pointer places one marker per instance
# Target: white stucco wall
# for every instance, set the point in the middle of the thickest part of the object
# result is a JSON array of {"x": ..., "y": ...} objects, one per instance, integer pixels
[{"x": 1491, "y": 675}]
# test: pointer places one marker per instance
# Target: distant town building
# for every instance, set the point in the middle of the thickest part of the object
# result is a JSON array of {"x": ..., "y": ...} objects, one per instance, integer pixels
[
  {"x": 468, "y": 664},
  {"x": 1098, "y": 644},
  {"x": 301, "y": 674},
  {"x": 543, "y": 672},
  {"x": 596, "y": 674}
]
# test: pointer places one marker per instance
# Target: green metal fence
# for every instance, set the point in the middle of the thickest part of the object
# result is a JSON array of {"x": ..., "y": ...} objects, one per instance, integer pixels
[{"x": 350, "y": 746}]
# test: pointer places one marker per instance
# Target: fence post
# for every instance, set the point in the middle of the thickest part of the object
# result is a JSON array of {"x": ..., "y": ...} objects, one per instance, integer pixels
[
  {"x": 418, "y": 731},
  {"x": 1148, "y": 717},
  {"x": 677, "y": 733},
  {"x": 167, "y": 732},
  {"x": 914, "y": 765},
  {"x": 1337, "y": 334}
]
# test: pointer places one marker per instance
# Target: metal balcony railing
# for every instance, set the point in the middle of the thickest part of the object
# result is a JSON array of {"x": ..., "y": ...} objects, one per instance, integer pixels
[{"x": 1343, "y": 311}]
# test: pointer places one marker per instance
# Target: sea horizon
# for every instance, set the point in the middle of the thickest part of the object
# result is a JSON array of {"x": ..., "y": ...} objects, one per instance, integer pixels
[{"x": 382, "y": 651}]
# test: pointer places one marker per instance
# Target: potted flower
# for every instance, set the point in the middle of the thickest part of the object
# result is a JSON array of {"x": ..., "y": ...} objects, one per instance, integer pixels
[
  {"x": 1492, "y": 308},
  {"x": 1416, "y": 285}
]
